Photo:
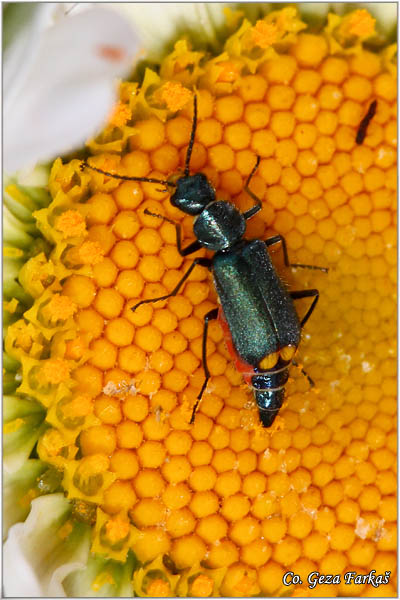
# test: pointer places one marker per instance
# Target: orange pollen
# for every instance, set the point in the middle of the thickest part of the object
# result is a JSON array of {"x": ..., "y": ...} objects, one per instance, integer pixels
[
  {"x": 23, "y": 340},
  {"x": 71, "y": 224},
  {"x": 175, "y": 95},
  {"x": 120, "y": 115},
  {"x": 264, "y": 34},
  {"x": 229, "y": 72},
  {"x": 81, "y": 406},
  {"x": 75, "y": 348},
  {"x": 26, "y": 500},
  {"x": 91, "y": 253},
  {"x": 117, "y": 529},
  {"x": 61, "y": 307},
  {"x": 42, "y": 274},
  {"x": 158, "y": 589},
  {"x": 52, "y": 442},
  {"x": 55, "y": 370},
  {"x": 202, "y": 586},
  {"x": 361, "y": 23},
  {"x": 65, "y": 530}
]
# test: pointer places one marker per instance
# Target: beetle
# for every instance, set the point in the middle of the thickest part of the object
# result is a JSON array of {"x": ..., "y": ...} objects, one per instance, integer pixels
[{"x": 261, "y": 326}]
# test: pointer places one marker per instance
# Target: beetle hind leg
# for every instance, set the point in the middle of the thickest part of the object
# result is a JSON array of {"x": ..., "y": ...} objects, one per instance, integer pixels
[
  {"x": 204, "y": 262},
  {"x": 306, "y": 375}
]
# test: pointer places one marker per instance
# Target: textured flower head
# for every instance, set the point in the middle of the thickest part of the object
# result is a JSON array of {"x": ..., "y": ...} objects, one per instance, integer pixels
[{"x": 132, "y": 497}]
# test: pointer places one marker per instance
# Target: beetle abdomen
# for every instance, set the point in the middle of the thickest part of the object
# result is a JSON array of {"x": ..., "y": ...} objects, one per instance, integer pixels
[
  {"x": 269, "y": 403},
  {"x": 269, "y": 392},
  {"x": 271, "y": 379}
]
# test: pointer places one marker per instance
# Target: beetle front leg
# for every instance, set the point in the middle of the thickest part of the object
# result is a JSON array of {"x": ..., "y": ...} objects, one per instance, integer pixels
[
  {"x": 279, "y": 238},
  {"x": 255, "y": 209},
  {"x": 210, "y": 316},
  {"x": 193, "y": 247}
]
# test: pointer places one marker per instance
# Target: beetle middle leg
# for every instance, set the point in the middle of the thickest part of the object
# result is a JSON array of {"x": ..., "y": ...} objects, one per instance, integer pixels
[
  {"x": 210, "y": 316},
  {"x": 306, "y": 294},
  {"x": 279, "y": 238},
  {"x": 204, "y": 262}
]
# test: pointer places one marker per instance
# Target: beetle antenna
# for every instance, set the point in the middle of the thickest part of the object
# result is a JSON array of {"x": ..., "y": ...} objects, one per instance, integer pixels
[
  {"x": 147, "y": 212},
  {"x": 191, "y": 142},
  {"x": 126, "y": 177}
]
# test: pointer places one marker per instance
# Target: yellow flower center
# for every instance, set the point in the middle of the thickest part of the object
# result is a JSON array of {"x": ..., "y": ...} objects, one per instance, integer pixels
[
  {"x": 202, "y": 586},
  {"x": 265, "y": 34},
  {"x": 54, "y": 371},
  {"x": 91, "y": 253},
  {"x": 158, "y": 588},
  {"x": 79, "y": 406}
]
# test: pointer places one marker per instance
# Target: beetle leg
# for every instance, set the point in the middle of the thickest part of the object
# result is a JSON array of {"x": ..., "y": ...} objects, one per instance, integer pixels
[
  {"x": 210, "y": 316},
  {"x": 254, "y": 209},
  {"x": 204, "y": 262},
  {"x": 279, "y": 238},
  {"x": 193, "y": 247},
  {"x": 296, "y": 364},
  {"x": 306, "y": 294},
  {"x": 296, "y": 295}
]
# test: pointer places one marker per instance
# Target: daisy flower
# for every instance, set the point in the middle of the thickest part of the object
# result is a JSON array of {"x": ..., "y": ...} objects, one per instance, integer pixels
[{"x": 109, "y": 489}]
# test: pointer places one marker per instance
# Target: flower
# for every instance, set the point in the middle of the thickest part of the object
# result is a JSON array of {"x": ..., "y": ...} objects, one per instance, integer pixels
[{"x": 154, "y": 505}]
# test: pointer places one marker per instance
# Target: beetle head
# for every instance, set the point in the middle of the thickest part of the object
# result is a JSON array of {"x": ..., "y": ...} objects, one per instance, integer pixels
[{"x": 193, "y": 193}]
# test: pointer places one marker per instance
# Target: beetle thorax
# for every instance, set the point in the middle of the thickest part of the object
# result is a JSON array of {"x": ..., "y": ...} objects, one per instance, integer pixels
[{"x": 219, "y": 226}]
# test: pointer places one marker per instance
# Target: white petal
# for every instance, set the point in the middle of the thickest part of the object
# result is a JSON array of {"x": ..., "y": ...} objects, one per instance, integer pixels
[
  {"x": 25, "y": 583},
  {"x": 36, "y": 559},
  {"x": 16, "y": 485},
  {"x": 70, "y": 87},
  {"x": 22, "y": 51},
  {"x": 162, "y": 22}
]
